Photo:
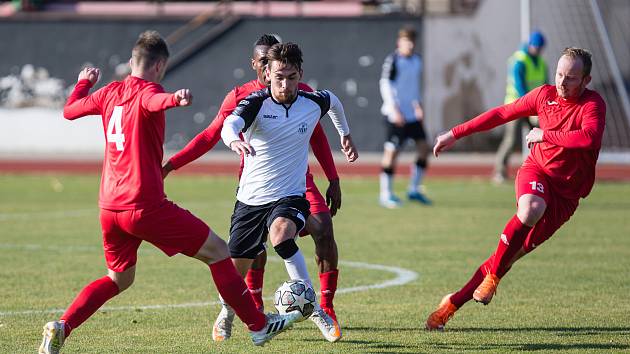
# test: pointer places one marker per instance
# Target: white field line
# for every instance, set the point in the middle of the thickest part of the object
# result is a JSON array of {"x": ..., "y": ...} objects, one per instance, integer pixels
[{"x": 403, "y": 276}]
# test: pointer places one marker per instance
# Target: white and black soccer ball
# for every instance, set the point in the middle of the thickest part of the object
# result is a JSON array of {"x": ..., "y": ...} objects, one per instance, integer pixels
[{"x": 295, "y": 295}]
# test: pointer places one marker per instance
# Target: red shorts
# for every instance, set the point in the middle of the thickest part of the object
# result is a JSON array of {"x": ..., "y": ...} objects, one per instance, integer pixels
[
  {"x": 315, "y": 198},
  {"x": 532, "y": 180},
  {"x": 167, "y": 226}
]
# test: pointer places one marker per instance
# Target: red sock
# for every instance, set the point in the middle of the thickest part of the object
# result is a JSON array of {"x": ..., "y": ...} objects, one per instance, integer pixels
[
  {"x": 328, "y": 283},
  {"x": 511, "y": 241},
  {"x": 235, "y": 293},
  {"x": 254, "y": 281},
  {"x": 90, "y": 299},
  {"x": 465, "y": 294}
]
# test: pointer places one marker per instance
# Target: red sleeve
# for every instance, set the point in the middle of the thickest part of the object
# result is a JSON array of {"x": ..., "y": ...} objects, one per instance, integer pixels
[
  {"x": 80, "y": 103},
  {"x": 523, "y": 107},
  {"x": 590, "y": 134},
  {"x": 304, "y": 87},
  {"x": 320, "y": 146},
  {"x": 321, "y": 150},
  {"x": 208, "y": 138},
  {"x": 156, "y": 100}
]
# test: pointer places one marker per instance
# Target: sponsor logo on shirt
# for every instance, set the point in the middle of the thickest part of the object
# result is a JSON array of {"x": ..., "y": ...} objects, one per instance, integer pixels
[
  {"x": 303, "y": 128},
  {"x": 270, "y": 116}
]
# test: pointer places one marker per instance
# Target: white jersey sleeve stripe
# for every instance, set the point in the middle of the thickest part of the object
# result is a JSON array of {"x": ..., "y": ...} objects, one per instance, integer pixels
[{"x": 338, "y": 116}]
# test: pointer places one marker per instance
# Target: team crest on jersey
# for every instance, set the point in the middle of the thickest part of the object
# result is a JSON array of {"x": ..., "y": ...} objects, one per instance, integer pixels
[{"x": 303, "y": 128}]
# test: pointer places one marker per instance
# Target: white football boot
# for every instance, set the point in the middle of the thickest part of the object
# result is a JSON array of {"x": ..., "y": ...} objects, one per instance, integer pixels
[
  {"x": 54, "y": 336},
  {"x": 222, "y": 328},
  {"x": 276, "y": 323},
  {"x": 330, "y": 328}
]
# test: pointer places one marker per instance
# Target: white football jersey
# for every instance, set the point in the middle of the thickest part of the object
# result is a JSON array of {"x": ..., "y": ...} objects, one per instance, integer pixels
[{"x": 279, "y": 134}]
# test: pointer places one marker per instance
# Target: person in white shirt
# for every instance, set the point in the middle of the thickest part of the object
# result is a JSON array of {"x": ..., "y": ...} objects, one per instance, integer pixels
[
  {"x": 276, "y": 124},
  {"x": 402, "y": 108}
]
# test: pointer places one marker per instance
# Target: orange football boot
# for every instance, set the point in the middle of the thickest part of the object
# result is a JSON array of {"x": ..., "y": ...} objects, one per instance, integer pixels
[
  {"x": 486, "y": 290},
  {"x": 437, "y": 320}
]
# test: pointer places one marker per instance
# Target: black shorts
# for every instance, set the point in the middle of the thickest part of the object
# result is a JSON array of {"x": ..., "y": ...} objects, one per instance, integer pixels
[
  {"x": 250, "y": 223},
  {"x": 398, "y": 135}
]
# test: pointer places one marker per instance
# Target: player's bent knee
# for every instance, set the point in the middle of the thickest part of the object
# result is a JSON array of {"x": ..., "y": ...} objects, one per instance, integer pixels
[
  {"x": 213, "y": 250},
  {"x": 123, "y": 279},
  {"x": 531, "y": 208},
  {"x": 281, "y": 229},
  {"x": 321, "y": 228}
]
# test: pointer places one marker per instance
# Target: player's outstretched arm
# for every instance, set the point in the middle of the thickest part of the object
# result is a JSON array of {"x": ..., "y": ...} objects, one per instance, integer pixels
[
  {"x": 158, "y": 101},
  {"x": 80, "y": 103},
  {"x": 207, "y": 139},
  {"x": 444, "y": 142}
]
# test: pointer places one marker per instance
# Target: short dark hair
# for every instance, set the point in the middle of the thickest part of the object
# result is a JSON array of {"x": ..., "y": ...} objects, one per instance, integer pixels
[
  {"x": 583, "y": 54},
  {"x": 408, "y": 32},
  {"x": 149, "y": 49},
  {"x": 267, "y": 39},
  {"x": 287, "y": 53}
]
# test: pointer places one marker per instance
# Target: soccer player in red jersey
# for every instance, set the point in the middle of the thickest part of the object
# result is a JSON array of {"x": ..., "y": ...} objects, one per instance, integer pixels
[
  {"x": 133, "y": 206},
  {"x": 319, "y": 223},
  {"x": 559, "y": 170}
]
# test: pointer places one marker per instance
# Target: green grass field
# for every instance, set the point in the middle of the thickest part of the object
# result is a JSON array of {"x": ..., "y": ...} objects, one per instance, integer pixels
[{"x": 570, "y": 295}]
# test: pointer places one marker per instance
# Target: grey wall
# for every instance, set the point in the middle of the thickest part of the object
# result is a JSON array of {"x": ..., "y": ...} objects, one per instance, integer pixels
[
  {"x": 466, "y": 66},
  {"x": 344, "y": 55},
  {"x": 465, "y": 61}
]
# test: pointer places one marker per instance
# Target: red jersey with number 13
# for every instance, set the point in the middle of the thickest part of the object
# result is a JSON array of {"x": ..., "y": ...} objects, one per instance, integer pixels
[
  {"x": 573, "y": 131},
  {"x": 132, "y": 112}
]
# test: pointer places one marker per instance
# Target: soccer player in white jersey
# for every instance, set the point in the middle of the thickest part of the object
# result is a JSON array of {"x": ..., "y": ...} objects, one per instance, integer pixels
[
  {"x": 277, "y": 123},
  {"x": 402, "y": 108}
]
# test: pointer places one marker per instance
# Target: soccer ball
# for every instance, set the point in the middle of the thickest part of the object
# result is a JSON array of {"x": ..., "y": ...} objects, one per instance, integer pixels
[{"x": 295, "y": 295}]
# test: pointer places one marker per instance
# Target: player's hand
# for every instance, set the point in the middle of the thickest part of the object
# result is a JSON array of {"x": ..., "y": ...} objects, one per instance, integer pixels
[
  {"x": 348, "y": 148},
  {"x": 333, "y": 196},
  {"x": 92, "y": 74},
  {"x": 399, "y": 120},
  {"x": 419, "y": 113},
  {"x": 183, "y": 97},
  {"x": 443, "y": 142},
  {"x": 242, "y": 148},
  {"x": 166, "y": 169},
  {"x": 534, "y": 136}
]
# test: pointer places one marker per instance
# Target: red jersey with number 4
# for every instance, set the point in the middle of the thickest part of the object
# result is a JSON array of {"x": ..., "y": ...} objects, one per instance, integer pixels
[
  {"x": 132, "y": 112},
  {"x": 572, "y": 135}
]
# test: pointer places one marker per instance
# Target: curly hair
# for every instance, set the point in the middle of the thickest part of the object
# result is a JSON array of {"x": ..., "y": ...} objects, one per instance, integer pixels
[{"x": 267, "y": 39}]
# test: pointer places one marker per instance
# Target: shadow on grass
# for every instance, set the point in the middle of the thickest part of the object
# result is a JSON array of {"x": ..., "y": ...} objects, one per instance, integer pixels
[
  {"x": 558, "y": 330},
  {"x": 532, "y": 347}
]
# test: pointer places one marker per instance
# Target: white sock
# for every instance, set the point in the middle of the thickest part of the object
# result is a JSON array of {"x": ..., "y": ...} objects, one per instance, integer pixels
[
  {"x": 296, "y": 267},
  {"x": 417, "y": 173},
  {"x": 386, "y": 186}
]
